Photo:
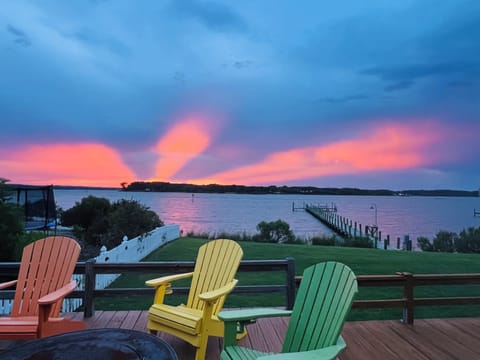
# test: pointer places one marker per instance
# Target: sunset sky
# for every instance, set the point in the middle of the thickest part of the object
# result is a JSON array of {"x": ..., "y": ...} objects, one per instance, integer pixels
[{"x": 369, "y": 94}]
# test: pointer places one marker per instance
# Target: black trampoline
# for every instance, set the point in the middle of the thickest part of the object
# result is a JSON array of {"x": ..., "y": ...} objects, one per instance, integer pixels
[{"x": 38, "y": 204}]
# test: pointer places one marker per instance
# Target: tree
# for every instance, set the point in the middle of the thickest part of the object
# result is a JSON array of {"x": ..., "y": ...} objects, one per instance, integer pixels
[
  {"x": 275, "y": 232},
  {"x": 11, "y": 223}
]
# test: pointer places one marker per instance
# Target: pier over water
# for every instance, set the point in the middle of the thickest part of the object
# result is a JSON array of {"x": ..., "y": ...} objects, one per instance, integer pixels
[{"x": 348, "y": 229}]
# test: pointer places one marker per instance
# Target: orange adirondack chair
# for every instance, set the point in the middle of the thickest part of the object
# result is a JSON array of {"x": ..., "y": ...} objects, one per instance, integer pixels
[
  {"x": 44, "y": 279},
  {"x": 212, "y": 279}
]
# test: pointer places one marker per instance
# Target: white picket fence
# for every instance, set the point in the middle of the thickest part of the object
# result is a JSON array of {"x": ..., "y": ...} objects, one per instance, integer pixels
[{"x": 132, "y": 250}]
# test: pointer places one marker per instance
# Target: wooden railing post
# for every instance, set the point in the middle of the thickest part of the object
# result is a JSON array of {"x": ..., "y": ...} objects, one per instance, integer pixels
[
  {"x": 408, "y": 309},
  {"x": 90, "y": 280},
  {"x": 291, "y": 287}
]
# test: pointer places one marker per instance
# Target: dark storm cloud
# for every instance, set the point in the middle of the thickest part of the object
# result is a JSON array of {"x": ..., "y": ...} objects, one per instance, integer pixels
[
  {"x": 20, "y": 37},
  {"x": 215, "y": 16}
]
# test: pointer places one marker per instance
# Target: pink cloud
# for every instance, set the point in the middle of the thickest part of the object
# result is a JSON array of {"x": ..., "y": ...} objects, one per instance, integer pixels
[
  {"x": 184, "y": 141},
  {"x": 386, "y": 146},
  {"x": 65, "y": 164}
]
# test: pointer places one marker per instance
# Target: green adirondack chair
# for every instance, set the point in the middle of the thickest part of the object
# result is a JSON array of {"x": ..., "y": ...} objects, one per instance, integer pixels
[{"x": 322, "y": 304}]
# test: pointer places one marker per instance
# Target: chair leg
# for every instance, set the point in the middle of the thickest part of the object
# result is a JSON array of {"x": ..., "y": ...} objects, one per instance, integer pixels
[{"x": 202, "y": 349}]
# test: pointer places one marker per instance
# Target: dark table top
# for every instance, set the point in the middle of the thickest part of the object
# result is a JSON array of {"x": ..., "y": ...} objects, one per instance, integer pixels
[{"x": 94, "y": 344}]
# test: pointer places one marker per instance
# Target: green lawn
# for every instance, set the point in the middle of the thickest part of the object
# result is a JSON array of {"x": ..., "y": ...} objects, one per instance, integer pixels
[{"x": 362, "y": 262}]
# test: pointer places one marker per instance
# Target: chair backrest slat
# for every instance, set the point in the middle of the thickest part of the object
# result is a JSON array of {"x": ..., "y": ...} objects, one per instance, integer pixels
[
  {"x": 46, "y": 266},
  {"x": 216, "y": 265},
  {"x": 322, "y": 304}
]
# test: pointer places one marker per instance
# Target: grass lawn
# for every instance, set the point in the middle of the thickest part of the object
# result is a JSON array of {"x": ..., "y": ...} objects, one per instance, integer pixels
[{"x": 362, "y": 262}]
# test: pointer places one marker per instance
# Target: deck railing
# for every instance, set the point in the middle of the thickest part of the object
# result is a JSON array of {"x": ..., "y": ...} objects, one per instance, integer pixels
[
  {"x": 407, "y": 281},
  {"x": 91, "y": 269}
]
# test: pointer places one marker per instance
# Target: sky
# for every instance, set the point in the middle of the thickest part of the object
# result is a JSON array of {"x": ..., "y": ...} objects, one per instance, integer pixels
[{"x": 366, "y": 94}]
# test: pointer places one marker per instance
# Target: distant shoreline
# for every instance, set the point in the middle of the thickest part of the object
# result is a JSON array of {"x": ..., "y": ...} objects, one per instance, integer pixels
[
  {"x": 272, "y": 189},
  {"x": 73, "y": 187}
]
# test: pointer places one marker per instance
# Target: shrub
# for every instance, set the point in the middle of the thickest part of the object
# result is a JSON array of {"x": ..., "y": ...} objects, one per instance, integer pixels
[
  {"x": 360, "y": 242},
  {"x": 86, "y": 213},
  {"x": 130, "y": 218},
  {"x": 323, "y": 240},
  {"x": 274, "y": 232},
  {"x": 424, "y": 244},
  {"x": 468, "y": 241},
  {"x": 25, "y": 239},
  {"x": 444, "y": 241},
  {"x": 296, "y": 240},
  {"x": 11, "y": 223},
  {"x": 243, "y": 236},
  {"x": 99, "y": 222}
]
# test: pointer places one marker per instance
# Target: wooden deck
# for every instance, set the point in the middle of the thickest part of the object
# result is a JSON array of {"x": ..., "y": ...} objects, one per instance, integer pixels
[{"x": 427, "y": 339}]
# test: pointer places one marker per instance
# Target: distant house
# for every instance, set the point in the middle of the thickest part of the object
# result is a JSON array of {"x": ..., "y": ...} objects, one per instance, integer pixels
[{"x": 38, "y": 203}]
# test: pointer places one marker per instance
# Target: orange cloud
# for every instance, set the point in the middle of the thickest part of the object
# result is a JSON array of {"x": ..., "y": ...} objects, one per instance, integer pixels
[
  {"x": 66, "y": 164},
  {"x": 182, "y": 143},
  {"x": 387, "y": 147}
]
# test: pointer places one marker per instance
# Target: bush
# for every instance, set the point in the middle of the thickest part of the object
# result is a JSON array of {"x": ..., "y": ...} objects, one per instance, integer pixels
[
  {"x": 424, "y": 244},
  {"x": 130, "y": 218},
  {"x": 25, "y": 239},
  {"x": 444, "y": 241},
  {"x": 360, "y": 242},
  {"x": 87, "y": 212},
  {"x": 11, "y": 223},
  {"x": 323, "y": 240},
  {"x": 468, "y": 241},
  {"x": 99, "y": 222},
  {"x": 274, "y": 232}
]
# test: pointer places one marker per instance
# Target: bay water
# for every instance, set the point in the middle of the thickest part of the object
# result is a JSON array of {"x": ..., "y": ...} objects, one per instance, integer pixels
[{"x": 396, "y": 216}]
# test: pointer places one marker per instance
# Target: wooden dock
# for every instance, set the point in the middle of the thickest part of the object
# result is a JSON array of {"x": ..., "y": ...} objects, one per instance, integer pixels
[
  {"x": 457, "y": 338},
  {"x": 349, "y": 229}
]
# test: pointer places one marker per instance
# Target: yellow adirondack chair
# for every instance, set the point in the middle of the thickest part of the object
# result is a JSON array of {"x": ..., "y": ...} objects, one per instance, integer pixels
[
  {"x": 212, "y": 279},
  {"x": 44, "y": 279}
]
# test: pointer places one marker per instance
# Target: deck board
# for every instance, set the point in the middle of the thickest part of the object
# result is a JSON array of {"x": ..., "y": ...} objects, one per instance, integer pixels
[{"x": 383, "y": 340}]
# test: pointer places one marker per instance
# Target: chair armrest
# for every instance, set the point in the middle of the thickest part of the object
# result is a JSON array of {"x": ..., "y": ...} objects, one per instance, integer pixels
[
  {"x": 250, "y": 314},
  {"x": 167, "y": 279},
  {"x": 236, "y": 320},
  {"x": 58, "y": 294},
  {"x": 162, "y": 285},
  {"x": 213, "y": 295},
  {"x": 7, "y": 284},
  {"x": 327, "y": 353}
]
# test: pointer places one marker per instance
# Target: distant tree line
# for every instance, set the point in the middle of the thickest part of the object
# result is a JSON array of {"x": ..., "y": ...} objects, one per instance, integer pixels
[{"x": 272, "y": 189}]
